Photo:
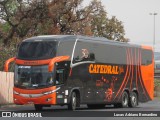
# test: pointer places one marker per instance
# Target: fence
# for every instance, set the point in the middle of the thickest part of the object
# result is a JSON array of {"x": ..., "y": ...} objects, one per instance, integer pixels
[{"x": 6, "y": 87}]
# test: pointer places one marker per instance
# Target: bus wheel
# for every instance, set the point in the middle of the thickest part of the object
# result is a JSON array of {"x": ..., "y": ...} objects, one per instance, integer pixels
[
  {"x": 73, "y": 102},
  {"x": 125, "y": 99},
  {"x": 133, "y": 101},
  {"x": 38, "y": 107}
]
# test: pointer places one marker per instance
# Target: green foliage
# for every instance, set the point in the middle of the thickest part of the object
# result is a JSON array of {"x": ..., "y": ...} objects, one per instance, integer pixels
[
  {"x": 5, "y": 27},
  {"x": 12, "y": 6},
  {"x": 38, "y": 17},
  {"x": 6, "y": 53},
  {"x": 157, "y": 83}
]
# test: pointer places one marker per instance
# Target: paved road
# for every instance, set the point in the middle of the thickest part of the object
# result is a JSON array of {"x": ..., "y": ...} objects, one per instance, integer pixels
[{"x": 59, "y": 111}]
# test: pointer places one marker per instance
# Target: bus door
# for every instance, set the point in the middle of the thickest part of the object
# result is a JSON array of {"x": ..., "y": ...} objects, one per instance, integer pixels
[{"x": 59, "y": 82}]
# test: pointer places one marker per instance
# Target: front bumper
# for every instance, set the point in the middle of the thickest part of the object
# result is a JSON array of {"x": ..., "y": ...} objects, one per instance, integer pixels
[{"x": 35, "y": 96}]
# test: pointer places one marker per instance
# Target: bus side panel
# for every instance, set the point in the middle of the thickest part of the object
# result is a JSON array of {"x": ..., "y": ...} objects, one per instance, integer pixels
[{"x": 113, "y": 70}]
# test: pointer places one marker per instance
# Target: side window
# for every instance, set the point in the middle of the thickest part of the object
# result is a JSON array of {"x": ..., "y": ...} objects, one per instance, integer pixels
[
  {"x": 83, "y": 52},
  {"x": 106, "y": 53},
  {"x": 65, "y": 48},
  {"x": 60, "y": 76},
  {"x": 146, "y": 57}
]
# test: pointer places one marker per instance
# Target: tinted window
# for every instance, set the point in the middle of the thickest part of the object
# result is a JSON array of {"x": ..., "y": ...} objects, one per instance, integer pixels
[
  {"x": 37, "y": 50},
  {"x": 83, "y": 52},
  {"x": 99, "y": 52},
  {"x": 65, "y": 48},
  {"x": 146, "y": 57},
  {"x": 107, "y": 53}
]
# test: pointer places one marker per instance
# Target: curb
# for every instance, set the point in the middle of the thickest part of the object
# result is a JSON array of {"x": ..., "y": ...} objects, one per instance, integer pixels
[
  {"x": 8, "y": 105},
  {"x": 12, "y": 105}
]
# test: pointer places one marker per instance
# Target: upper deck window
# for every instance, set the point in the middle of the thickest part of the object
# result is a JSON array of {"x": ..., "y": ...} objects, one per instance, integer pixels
[
  {"x": 146, "y": 57},
  {"x": 37, "y": 50}
]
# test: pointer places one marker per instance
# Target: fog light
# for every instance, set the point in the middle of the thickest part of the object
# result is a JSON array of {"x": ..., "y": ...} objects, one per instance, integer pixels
[
  {"x": 15, "y": 99},
  {"x": 48, "y": 99}
]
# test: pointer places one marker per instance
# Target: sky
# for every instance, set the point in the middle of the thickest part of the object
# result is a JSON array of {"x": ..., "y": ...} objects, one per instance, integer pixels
[{"x": 136, "y": 18}]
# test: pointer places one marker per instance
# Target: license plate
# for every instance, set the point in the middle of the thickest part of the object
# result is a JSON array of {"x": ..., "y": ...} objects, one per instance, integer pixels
[{"x": 30, "y": 102}]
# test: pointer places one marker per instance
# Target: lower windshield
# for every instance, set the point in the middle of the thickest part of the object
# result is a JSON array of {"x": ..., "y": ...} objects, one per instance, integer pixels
[{"x": 30, "y": 77}]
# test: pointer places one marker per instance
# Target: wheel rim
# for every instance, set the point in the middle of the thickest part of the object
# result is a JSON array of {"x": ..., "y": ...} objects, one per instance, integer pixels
[
  {"x": 74, "y": 101},
  {"x": 125, "y": 100},
  {"x": 134, "y": 100}
]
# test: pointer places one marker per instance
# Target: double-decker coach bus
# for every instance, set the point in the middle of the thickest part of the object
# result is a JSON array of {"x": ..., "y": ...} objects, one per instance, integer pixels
[{"x": 73, "y": 70}]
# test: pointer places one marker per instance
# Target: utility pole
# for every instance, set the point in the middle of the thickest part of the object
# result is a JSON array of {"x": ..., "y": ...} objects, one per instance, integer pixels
[{"x": 154, "y": 14}]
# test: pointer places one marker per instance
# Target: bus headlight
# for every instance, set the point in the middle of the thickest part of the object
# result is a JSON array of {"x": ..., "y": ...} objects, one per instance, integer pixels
[
  {"x": 16, "y": 93},
  {"x": 50, "y": 92}
]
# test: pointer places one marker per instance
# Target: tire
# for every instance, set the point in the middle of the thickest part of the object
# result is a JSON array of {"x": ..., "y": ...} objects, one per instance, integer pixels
[
  {"x": 38, "y": 107},
  {"x": 133, "y": 101},
  {"x": 96, "y": 106},
  {"x": 73, "y": 102},
  {"x": 125, "y": 99}
]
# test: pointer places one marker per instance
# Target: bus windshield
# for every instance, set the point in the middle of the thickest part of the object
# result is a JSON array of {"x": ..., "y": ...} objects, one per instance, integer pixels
[
  {"x": 31, "y": 77},
  {"x": 37, "y": 50}
]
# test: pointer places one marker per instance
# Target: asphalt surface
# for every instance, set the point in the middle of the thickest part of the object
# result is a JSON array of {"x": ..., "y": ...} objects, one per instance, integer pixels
[{"x": 83, "y": 111}]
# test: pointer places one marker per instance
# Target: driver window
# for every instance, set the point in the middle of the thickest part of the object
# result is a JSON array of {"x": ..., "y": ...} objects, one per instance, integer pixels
[{"x": 59, "y": 77}]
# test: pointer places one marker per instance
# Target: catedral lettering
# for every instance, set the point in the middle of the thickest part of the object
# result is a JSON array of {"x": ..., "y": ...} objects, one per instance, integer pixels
[
  {"x": 103, "y": 69},
  {"x": 73, "y": 70}
]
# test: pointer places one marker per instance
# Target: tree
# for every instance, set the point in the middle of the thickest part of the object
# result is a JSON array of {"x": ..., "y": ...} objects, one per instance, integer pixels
[
  {"x": 21, "y": 16},
  {"x": 25, "y": 18},
  {"x": 102, "y": 26},
  {"x": 20, "y": 19}
]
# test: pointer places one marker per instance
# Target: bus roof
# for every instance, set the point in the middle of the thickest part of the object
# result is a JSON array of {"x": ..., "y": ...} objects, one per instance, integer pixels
[{"x": 79, "y": 37}]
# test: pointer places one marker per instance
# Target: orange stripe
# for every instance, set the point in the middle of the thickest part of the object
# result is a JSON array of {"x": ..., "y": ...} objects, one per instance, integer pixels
[
  {"x": 147, "y": 47},
  {"x": 130, "y": 68},
  {"x": 6, "y": 66},
  {"x": 32, "y": 62},
  {"x": 56, "y": 59},
  {"x": 70, "y": 73},
  {"x": 51, "y": 62},
  {"x": 137, "y": 62},
  {"x": 132, "y": 64},
  {"x": 140, "y": 75},
  {"x": 124, "y": 77}
]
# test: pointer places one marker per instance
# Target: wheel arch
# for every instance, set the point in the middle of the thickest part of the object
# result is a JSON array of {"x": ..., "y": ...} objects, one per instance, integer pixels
[{"x": 77, "y": 91}]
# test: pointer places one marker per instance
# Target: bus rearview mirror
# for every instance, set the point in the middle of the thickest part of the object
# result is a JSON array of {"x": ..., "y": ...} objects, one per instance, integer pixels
[
  {"x": 6, "y": 66},
  {"x": 55, "y": 60}
]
